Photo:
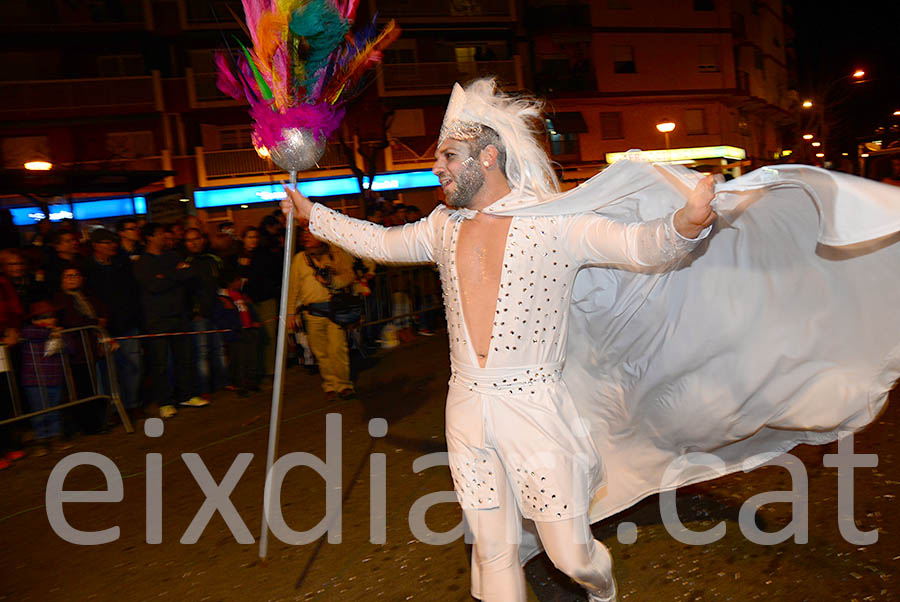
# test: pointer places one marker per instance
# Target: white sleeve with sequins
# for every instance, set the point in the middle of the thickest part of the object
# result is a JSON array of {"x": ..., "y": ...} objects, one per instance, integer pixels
[
  {"x": 409, "y": 243},
  {"x": 592, "y": 238}
]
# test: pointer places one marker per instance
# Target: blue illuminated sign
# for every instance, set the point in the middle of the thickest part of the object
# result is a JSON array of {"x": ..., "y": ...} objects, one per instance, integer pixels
[
  {"x": 83, "y": 210},
  {"x": 265, "y": 193},
  {"x": 108, "y": 208},
  {"x": 26, "y": 216}
]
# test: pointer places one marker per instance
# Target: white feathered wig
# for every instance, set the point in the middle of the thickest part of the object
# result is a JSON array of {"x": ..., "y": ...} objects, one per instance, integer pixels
[{"x": 514, "y": 119}]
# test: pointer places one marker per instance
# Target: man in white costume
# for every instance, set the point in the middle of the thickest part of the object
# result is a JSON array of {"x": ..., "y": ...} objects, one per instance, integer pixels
[{"x": 517, "y": 444}]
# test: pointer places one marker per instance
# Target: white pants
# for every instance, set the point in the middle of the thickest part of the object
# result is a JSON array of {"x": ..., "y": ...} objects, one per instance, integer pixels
[{"x": 497, "y": 574}]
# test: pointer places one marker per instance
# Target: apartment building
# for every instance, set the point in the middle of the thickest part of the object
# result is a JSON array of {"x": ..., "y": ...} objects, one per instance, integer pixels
[
  {"x": 717, "y": 71},
  {"x": 124, "y": 91}
]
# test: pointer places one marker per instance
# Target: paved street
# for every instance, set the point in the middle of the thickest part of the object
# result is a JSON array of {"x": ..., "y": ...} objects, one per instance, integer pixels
[{"x": 407, "y": 387}]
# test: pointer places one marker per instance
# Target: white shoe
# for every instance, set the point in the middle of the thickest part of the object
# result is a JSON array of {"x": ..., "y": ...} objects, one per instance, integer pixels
[
  {"x": 595, "y": 597},
  {"x": 610, "y": 596},
  {"x": 167, "y": 411}
]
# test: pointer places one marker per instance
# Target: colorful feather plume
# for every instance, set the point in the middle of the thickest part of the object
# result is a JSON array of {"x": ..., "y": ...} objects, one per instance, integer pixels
[{"x": 304, "y": 64}]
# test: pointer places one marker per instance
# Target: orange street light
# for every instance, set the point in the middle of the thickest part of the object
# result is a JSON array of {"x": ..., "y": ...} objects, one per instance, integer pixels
[
  {"x": 817, "y": 144},
  {"x": 859, "y": 74},
  {"x": 820, "y": 155},
  {"x": 896, "y": 113},
  {"x": 807, "y": 104},
  {"x": 665, "y": 126},
  {"x": 808, "y": 136},
  {"x": 39, "y": 165}
]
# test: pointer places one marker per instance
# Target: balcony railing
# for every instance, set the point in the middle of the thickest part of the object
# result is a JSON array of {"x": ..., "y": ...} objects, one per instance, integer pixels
[
  {"x": 74, "y": 16},
  {"x": 410, "y": 79},
  {"x": 139, "y": 92},
  {"x": 206, "y": 90},
  {"x": 205, "y": 14},
  {"x": 460, "y": 10},
  {"x": 245, "y": 162},
  {"x": 149, "y": 163},
  {"x": 401, "y": 153}
]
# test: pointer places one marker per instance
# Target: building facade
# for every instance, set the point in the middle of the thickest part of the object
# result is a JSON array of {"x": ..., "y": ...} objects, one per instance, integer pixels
[{"x": 130, "y": 85}]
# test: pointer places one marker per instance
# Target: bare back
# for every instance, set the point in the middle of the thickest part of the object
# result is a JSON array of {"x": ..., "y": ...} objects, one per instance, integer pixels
[{"x": 479, "y": 261}]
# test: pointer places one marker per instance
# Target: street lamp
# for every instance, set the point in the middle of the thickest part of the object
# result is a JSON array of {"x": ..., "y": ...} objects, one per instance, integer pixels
[
  {"x": 665, "y": 126},
  {"x": 817, "y": 143},
  {"x": 821, "y": 104},
  {"x": 39, "y": 165}
]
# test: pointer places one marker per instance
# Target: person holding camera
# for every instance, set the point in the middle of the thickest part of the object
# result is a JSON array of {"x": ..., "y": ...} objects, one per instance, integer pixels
[{"x": 322, "y": 281}]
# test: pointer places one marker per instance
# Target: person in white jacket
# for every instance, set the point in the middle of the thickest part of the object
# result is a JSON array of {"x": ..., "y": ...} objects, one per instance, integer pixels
[{"x": 517, "y": 445}]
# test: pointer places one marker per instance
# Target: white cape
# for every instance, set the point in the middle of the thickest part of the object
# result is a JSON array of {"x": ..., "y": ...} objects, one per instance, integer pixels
[{"x": 766, "y": 336}]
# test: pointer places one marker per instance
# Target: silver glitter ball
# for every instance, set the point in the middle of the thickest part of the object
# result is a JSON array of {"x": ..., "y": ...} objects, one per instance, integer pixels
[{"x": 298, "y": 151}]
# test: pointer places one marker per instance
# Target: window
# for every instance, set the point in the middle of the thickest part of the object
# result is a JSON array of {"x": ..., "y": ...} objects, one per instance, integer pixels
[
  {"x": 708, "y": 59},
  {"x": 129, "y": 145},
  {"x": 563, "y": 144},
  {"x": 203, "y": 60},
  {"x": 464, "y": 54},
  {"x": 759, "y": 61},
  {"x": 623, "y": 59},
  {"x": 401, "y": 51},
  {"x": 704, "y": 5},
  {"x": 738, "y": 25},
  {"x": 569, "y": 122},
  {"x": 234, "y": 137},
  {"x": 120, "y": 65},
  {"x": 408, "y": 123},
  {"x": 611, "y": 125},
  {"x": 695, "y": 121}
]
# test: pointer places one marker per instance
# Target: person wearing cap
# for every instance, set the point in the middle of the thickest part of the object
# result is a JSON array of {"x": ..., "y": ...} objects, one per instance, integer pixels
[{"x": 108, "y": 275}]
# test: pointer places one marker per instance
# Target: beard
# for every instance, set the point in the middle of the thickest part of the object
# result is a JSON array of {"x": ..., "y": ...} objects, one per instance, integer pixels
[{"x": 468, "y": 181}]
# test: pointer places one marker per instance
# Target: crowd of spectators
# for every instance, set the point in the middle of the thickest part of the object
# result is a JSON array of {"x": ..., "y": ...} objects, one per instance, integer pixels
[{"x": 142, "y": 278}]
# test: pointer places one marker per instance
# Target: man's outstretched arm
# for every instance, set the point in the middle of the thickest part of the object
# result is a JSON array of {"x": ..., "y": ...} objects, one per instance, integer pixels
[
  {"x": 410, "y": 243},
  {"x": 592, "y": 238}
]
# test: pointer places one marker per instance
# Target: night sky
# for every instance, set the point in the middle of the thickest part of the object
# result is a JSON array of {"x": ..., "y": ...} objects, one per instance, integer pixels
[{"x": 833, "y": 39}]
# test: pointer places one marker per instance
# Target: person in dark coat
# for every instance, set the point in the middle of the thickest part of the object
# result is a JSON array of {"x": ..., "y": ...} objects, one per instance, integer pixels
[
  {"x": 209, "y": 352},
  {"x": 109, "y": 276},
  {"x": 162, "y": 278}
]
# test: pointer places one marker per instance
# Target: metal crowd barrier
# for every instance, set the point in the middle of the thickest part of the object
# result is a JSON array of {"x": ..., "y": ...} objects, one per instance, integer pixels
[
  {"x": 420, "y": 284},
  {"x": 84, "y": 334}
]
